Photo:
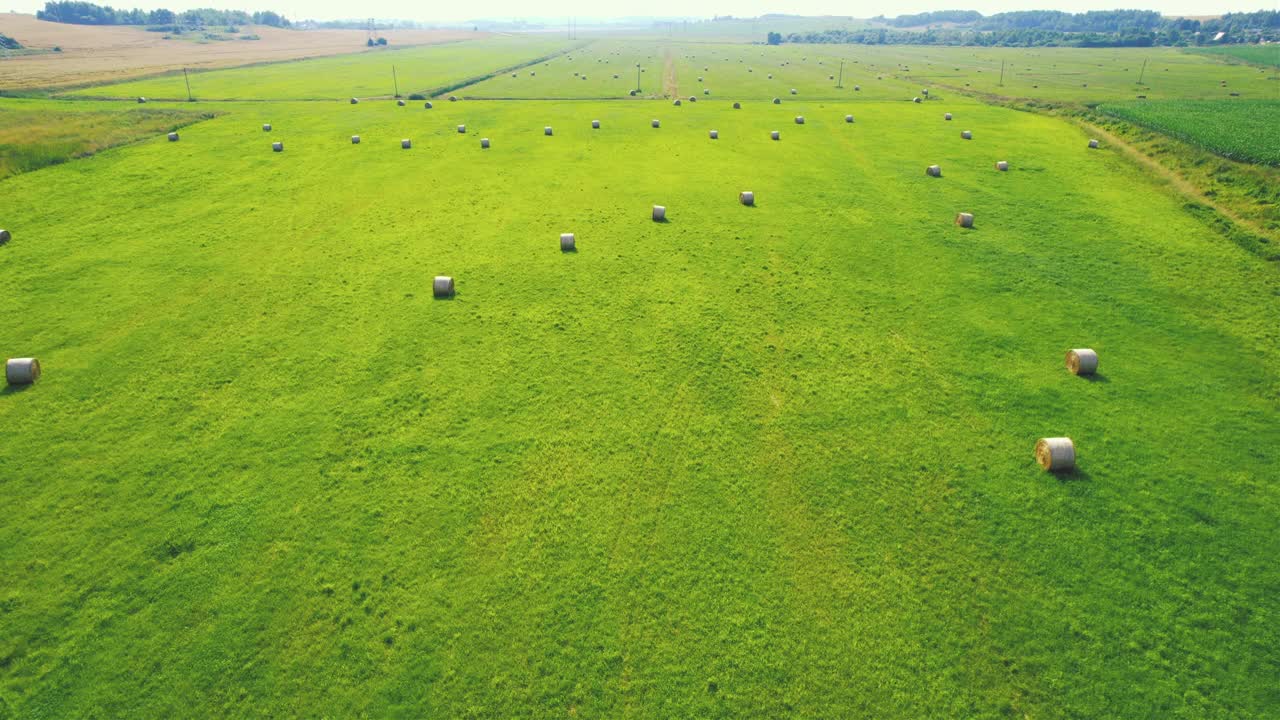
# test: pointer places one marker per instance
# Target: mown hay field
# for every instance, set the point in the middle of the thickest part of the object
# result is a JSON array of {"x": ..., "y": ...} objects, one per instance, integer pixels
[{"x": 761, "y": 461}]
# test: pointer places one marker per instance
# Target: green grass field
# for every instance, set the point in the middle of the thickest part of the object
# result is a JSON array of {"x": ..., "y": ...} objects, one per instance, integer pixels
[
  {"x": 418, "y": 69},
  {"x": 1242, "y": 130},
  {"x": 1257, "y": 54},
  {"x": 750, "y": 462}
]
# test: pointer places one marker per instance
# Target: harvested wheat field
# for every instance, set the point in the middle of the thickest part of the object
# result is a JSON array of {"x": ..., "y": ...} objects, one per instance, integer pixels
[{"x": 94, "y": 54}]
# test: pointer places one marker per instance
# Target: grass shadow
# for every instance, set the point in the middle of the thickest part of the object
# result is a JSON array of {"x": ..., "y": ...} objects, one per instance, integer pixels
[
  {"x": 15, "y": 389},
  {"x": 1075, "y": 474},
  {"x": 1095, "y": 378}
]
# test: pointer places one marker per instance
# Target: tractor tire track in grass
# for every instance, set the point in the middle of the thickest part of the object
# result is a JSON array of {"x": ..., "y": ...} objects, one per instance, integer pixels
[
  {"x": 445, "y": 89},
  {"x": 670, "y": 87}
]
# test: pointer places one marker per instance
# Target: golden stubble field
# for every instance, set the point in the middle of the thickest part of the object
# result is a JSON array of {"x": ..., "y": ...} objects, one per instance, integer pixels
[{"x": 93, "y": 54}]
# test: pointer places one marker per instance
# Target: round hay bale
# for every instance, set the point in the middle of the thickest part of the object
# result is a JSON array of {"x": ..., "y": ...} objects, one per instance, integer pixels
[
  {"x": 547, "y": 130},
  {"x": 21, "y": 371},
  {"x": 659, "y": 213},
  {"x": 770, "y": 76},
  {"x": 737, "y": 106},
  {"x": 442, "y": 286},
  {"x": 831, "y": 77},
  {"x": 947, "y": 116},
  {"x": 848, "y": 118},
  {"x": 799, "y": 119},
  {"x": 655, "y": 123},
  {"x": 857, "y": 88},
  {"x": 141, "y": 100},
  {"x": 693, "y": 98},
  {"x": 1093, "y": 144},
  {"x": 401, "y": 103},
  {"x": 793, "y": 91},
  {"x": 706, "y": 91},
  {"x": 595, "y": 124},
  {"x": 173, "y": 137},
  {"x": 1082, "y": 361},
  {"x": 746, "y": 197},
  {"x": 699, "y": 78},
  {"x": 405, "y": 144},
  {"x": 355, "y": 101},
  {"x": 567, "y": 242},
  {"x": 462, "y": 129},
  {"x": 277, "y": 147},
  {"x": 266, "y": 127},
  {"x": 1056, "y": 454},
  {"x": 355, "y": 139},
  {"x": 427, "y": 106},
  {"x": 964, "y": 220},
  {"x": 967, "y": 135},
  {"x": 453, "y": 98},
  {"x": 615, "y": 77},
  {"x": 532, "y": 73},
  {"x": 933, "y": 171},
  {"x": 1002, "y": 165},
  {"x": 775, "y": 135},
  {"x": 714, "y": 134},
  {"x": 5, "y": 236},
  {"x": 677, "y": 102},
  {"x": 915, "y": 99},
  {"x": 924, "y": 92},
  {"x": 777, "y": 101},
  {"x": 484, "y": 143},
  {"x": 514, "y": 75}
]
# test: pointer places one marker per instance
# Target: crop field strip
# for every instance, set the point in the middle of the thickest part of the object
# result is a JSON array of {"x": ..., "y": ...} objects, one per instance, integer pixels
[
  {"x": 1243, "y": 130},
  {"x": 753, "y": 383}
]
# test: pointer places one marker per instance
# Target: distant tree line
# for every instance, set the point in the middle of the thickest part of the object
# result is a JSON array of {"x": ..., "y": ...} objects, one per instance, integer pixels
[
  {"x": 8, "y": 43},
  {"x": 85, "y": 13},
  {"x": 1039, "y": 28}
]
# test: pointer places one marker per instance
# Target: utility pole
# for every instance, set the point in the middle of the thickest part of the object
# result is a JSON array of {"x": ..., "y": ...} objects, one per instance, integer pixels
[
  {"x": 840, "y": 82},
  {"x": 1144, "y": 71},
  {"x": 637, "y": 78},
  {"x": 184, "y": 77},
  {"x": 1001, "y": 73},
  {"x": 395, "y": 81}
]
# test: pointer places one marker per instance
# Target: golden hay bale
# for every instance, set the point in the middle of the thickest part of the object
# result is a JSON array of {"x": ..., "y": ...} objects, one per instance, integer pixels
[
  {"x": 405, "y": 144},
  {"x": 355, "y": 139},
  {"x": 173, "y": 137},
  {"x": 595, "y": 124},
  {"x": 453, "y": 98},
  {"x": 442, "y": 286},
  {"x": 567, "y": 242},
  {"x": 746, "y": 197},
  {"x": 848, "y": 118},
  {"x": 659, "y": 213},
  {"x": 706, "y": 91},
  {"x": 857, "y": 88},
  {"x": 462, "y": 129},
  {"x": 266, "y": 127},
  {"x": 1093, "y": 144},
  {"x": 21, "y": 371},
  {"x": 967, "y": 135},
  {"x": 655, "y": 123},
  {"x": 141, "y": 100},
  {"x": 793, "y": 91},
  {"x": 775, "y": 135},
  {"x": 1082, "y": 361},
  {"x": 1056, "y": 454},
  {"x": 715, "y": 134},
  {"x": 693, "y": 99},
  {"x": 799, "y": 119},
  {"x": 915, "y": 100},
  {"x": 427, "y": 106},
  {"x": 546, "y": 130},
  {"x": 964, "y": 220},
  {"x": 401, "y": 103},
  {"x": 933, "y": 171},
  {"x": 5, "y": 236},
  {"x": 947, "y": 116},
  {"x": 277, "y": 147},
  {"x": 777, "y": 101},
  {"x": 484, "y": 143},
  {"x": 355, "y": 101},
  {"x": 1002, "y": 165}
]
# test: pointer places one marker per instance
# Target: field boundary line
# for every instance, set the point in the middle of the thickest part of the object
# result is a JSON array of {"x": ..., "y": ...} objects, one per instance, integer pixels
[
  {"x": 436, "y": 92},
  {"x": 670, "y": 85}
]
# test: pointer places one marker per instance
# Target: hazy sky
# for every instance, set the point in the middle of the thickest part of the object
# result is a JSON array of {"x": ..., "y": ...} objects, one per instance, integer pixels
[{"x": 467, "y": 9}]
